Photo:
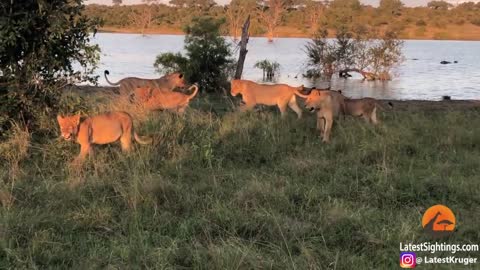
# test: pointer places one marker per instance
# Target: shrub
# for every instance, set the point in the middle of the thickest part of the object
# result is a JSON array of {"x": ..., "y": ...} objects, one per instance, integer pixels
[
  {"x": 40, "y": 44},
  {"x": 270, "y": 68},
  {"x": 207, "y": 60},
  {"x": 420, "y": 31},
  {"x": 442, "y": 36},
  {"x": 476, "y": 21},
  {"x": 353, "y": 51},
  {"x": 421, "y": 23}
]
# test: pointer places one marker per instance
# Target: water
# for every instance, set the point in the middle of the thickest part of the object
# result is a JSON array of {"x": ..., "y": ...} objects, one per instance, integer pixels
[{"x": 423, "y": 79}]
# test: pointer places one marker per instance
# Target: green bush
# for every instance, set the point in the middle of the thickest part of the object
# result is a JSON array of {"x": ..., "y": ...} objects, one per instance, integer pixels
[
  {"x": 270, "y": 69},
  {"x": 39, "y": 45},
  {"x": 353, "y": 51},
  {"x": 207, "y": 60}
]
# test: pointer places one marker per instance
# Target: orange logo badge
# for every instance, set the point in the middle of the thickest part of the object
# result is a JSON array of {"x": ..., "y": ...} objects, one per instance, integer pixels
[{"x": 439, "y": 221}]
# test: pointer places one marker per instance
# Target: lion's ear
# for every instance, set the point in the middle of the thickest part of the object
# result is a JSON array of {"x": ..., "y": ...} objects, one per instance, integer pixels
[
  {"x": 59, "y": 118},
  {"x": 180, "y": 75},
  {"x": 76, "y": 119}
]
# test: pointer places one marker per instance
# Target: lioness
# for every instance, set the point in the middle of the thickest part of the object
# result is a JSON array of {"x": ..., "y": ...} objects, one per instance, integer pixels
[
  {"x": 328, "y": 105},
  {"x": 281, "y": 95},
  {"x": 100, "y": 129},
  {"x": 157, "y": 99},
  {"x": 129, "y": 84},
  {"x": 364, "y": 107}
]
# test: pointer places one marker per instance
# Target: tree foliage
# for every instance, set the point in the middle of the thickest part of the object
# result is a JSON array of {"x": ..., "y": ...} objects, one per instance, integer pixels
[
  {"x": 353, "y": 50},
  {"x": 270, "y": 69},
  {"x": 439, "y": 5},
  {"x": 270, "y": 13},
  {"x": 302, "y": 16},
  {"x": 237, "y": 12},
  {"x": 391, "y": 7},
  {"x": 207, "y": 60},
  {"x": 343, "y": 13},
  {"x": 43, "y": 44}
]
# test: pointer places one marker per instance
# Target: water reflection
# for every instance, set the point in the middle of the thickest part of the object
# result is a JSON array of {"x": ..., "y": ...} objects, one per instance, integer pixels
[{"x": 421, "y": 76}]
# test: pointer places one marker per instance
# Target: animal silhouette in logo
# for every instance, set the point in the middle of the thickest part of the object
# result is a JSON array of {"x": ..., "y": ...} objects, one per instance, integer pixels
[{"x": 438, "y": 221}]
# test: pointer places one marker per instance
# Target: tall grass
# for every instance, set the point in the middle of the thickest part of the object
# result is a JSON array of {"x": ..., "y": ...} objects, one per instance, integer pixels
[{"x": 224, "y": 190}]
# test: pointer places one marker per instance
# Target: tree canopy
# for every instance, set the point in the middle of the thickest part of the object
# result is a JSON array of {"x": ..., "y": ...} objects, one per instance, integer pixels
[{"x": 44, "y": 45}]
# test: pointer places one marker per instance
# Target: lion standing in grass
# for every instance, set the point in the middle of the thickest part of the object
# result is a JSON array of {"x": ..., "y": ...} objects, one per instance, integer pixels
[
  {"x": 364, "y": 107},
  {"x": 328, "y": 105},
  {"x": 280, "y": 95},
  {"x": 100, "y": 129}
]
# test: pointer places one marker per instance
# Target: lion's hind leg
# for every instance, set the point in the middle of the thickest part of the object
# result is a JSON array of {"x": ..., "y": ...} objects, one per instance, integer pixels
[
  {"x": 328, "y": 129},
  {"x": 373, "y": 116},
  {"x": 126, "y": 137}
]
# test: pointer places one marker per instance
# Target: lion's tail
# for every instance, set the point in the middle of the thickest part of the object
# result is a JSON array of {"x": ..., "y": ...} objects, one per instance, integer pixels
[
  {"x": 192, "y": 95},
  {"x": 298, "y": 93},
  {"x": 390, "y": 105},
  {"x": 105, "y": 73},
  {"x": 141, "y": 139}
]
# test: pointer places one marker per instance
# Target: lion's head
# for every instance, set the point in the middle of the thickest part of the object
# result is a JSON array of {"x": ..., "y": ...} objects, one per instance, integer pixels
[
  {"x": 315, "y": 100},
  {"x": 176, "y": 79},
  {"x": 68, "y": 126}
]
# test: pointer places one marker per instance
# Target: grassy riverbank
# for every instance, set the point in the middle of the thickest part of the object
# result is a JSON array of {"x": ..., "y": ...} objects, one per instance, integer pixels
[
  {"x": 224, "y": 190},
  {"x": 449, "y": 32}
]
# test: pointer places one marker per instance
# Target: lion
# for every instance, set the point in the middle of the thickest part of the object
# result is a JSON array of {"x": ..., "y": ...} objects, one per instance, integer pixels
[
  {"x": 100, "y": 129},
  {"x": 328, "y": 105},
  {"x": 129, "y": 84},
  {"x": 364, "y": 107},
  {"x": 280, "y": 95},
  {"x": 157, "y": 99}
]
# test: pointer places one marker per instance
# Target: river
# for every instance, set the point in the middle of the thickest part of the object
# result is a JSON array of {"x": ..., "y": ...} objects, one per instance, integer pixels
[{"x": 420, "y": 76}]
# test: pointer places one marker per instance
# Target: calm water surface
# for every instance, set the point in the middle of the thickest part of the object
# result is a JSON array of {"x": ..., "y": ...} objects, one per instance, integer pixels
[{"x": 421, "y": 76}]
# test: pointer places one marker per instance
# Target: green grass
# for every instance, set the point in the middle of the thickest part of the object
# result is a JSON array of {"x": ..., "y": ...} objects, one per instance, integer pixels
[{"x": 224, "y": 190}]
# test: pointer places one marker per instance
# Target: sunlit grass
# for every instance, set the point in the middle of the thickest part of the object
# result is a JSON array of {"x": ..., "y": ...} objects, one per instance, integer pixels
[{"x": 222, "y": 190}]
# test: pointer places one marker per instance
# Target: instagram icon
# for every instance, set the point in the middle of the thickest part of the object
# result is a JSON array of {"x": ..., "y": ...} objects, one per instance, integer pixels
[{"x": 408, "y": 260}]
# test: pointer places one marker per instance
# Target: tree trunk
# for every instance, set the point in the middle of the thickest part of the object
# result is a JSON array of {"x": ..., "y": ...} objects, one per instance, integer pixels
[
  {"x": 235, "y": 34},
  {"x": 243, "y": 49},
  {"x": 270, "y": 35},
  {"x": 369, "y": 76}
]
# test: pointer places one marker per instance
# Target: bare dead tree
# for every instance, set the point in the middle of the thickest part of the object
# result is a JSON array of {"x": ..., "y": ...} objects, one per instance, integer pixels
[
  {"x": 144, "y": 18},
  {"x": 313, "y": 12},
  {"x": 243, "y": 49},
  {"x": 236, "y": 12},
  {"x": 270, "y": 12}
]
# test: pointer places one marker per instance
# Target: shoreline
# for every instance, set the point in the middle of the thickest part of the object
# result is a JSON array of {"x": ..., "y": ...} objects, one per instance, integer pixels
[
  {"x": 400, "y": 105},
  {"x": 285, "y": 33}
]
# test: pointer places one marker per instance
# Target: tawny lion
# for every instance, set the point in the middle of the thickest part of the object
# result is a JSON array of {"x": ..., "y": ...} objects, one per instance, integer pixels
[
  {"x": 129, "y": 84},
  {"x": 100, "y": 129},
  {"x": 158, "y": 99},
  {"x": 328, "y": 105},
  {"x": 364, "y": 107},
  {"x": 280, "y": 95}
]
